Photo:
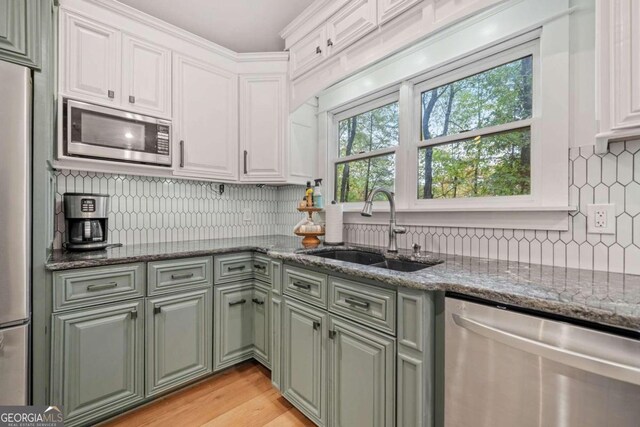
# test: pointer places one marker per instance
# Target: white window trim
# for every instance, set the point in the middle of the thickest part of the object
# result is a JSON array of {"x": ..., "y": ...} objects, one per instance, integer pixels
[
  {"x": 361, "y": 106},
  {"x": 457, "y": 73}
]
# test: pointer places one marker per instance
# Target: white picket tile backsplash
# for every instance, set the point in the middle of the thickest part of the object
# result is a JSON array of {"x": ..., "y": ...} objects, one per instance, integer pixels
[
  {"x": 613, "y": 178},
  {"x": 153, "y": 210},
  {"x": 150, "y": 210}
]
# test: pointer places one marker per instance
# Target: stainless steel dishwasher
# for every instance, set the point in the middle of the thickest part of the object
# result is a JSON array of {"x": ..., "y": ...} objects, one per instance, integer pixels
[{"x": 507, "y": 368}]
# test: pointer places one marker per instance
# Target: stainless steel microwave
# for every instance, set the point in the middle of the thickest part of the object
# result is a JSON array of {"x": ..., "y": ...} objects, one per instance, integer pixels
[{"x": 106, "y": 133}]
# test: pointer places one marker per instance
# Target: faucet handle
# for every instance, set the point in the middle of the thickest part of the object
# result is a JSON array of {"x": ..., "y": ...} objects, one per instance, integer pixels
[
  {"x": 399, "y": 230},
  {"x": 416, "y": 249}
]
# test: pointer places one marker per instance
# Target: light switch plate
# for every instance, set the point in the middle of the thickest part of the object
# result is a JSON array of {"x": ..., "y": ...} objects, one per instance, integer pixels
[{"x": 601, "y": 219}]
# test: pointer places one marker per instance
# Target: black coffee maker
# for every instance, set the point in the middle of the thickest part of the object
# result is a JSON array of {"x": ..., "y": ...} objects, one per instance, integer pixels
[{"x": 86, "y": 217}]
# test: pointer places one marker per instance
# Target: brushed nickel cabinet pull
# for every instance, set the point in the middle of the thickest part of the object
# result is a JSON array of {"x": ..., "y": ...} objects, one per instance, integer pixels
[
  {"x": 242, "y": 301},
  {"x": 102, "y": 286},
  {"x": 318, "y": 50},
  {"x": 357, "y": 303},
  {"x": 302, "y": 285},
  {"x": 257, "y": 301},
  {"x": 182, "y": 276},
  {"x": 182, "y": 153},
  {"x": 259, "y": 267},
  {"x": 329, "y": 42},
  {"x": 246, "y": 153},
  {"x": 238, "y": 268},
  {"x": 111, "y": 94},
  {"x": 132, "y": 99}
]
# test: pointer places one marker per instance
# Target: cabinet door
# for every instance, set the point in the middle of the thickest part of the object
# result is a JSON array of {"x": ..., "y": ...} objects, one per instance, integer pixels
[
  {"x": 91, "y": 60},
  {"x": 305, "y": 367},
  {"x": 308, "y": 52},
  {"x": 233, "y": 324},
  {"x": 98, "y": 360},
  {"x": 20, "y": 32},
  {"x": 261, "y": 325},
  {"x": 276, "y": 342},
  {"x": 206, "y": 120},
  {"x": 362, "y": 366},
  {"x": 350, "y": 23},
  {"x": 303, "y": 144},
  {"x": 178, "y": 339},
  {"x": 146, "y": 71},
  {"x": 389, "y": 9},
  {"x": 263, "y": 117}
]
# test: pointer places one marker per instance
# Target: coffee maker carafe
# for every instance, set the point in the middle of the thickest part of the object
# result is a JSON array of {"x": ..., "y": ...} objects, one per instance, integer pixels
[{"x": 86, "y": 218}]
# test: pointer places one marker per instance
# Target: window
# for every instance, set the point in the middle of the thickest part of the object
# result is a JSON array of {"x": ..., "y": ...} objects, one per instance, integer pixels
[
  {"x": 475, "y": 134},
  {"x": 367, "y": 142}
]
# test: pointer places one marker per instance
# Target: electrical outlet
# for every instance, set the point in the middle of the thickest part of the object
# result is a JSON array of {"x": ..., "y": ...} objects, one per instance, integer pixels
[
  {"x": 246, "y": 215},
  {"x": 601, "y": 219}
]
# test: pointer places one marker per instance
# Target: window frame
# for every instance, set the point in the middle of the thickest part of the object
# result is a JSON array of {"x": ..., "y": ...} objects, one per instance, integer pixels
[
  {"x": 378, "y": 100},
  {"x": 455, "y": 72}
]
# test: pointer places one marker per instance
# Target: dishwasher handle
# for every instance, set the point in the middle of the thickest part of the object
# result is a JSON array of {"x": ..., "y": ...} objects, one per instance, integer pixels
[{"x": 596, "y": 365}]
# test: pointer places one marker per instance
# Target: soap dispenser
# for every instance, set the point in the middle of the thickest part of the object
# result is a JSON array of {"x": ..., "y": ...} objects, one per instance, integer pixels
[{"x": 318, "y": 199}]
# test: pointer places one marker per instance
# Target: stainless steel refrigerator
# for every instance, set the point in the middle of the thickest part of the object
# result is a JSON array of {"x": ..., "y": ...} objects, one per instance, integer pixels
[{"x": 15, "y": 232}]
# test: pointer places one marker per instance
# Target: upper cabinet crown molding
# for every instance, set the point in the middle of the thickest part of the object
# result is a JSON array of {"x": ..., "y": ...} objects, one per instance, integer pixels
[{"x": 618, "y": 62}]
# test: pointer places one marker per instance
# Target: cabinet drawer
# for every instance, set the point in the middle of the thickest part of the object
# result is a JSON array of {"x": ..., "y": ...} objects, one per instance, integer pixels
[
  {"x": 233, "y": 267},
  {"x": 366, "y": 304},
  {"x": 179, "y": 274},
  {"x": 262, "y": 269},
  {"x": 306, "y": 285},
  {"x": 91, "y": 286}
]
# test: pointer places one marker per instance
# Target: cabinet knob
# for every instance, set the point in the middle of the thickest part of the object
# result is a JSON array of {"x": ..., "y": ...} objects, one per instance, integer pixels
[
  {"x": 132, "y": 99},
  {"x": 111, "y": 94},
  {"x": 329, "y": 42},
  {"x": 318, "y": 50}
]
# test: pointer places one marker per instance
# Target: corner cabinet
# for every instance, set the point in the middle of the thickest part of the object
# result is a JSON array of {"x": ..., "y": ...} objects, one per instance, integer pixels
[
  {"x": 20, "y": 32},
  {"x": 233, "y": 324},
  {"x": 178, "y": 339},
  {"x": 205, "y": 120},
  {"x": 618, "y": 73},
  {"x": 263, "y": 118},
  {"x": 98, "y": 360}
]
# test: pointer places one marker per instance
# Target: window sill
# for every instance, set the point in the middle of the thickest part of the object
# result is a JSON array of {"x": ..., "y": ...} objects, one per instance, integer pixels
[{"x": 527, "y": 218}]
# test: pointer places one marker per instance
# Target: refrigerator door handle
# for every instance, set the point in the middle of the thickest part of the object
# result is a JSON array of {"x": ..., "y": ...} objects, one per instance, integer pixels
[{"x": 596, "y": 365}]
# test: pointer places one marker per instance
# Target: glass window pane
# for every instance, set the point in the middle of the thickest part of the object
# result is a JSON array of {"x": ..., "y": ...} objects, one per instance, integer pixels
[
  {"x": 500, "y": 95},
  {"x": 355, "y": 179},
  {"x": 370, "y": 131},
  {"x": 490, "y": 165}
]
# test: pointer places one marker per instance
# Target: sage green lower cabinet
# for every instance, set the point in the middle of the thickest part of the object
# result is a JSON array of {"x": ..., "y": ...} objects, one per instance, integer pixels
[
  {"x": 416, "y": 338},
  {"x": 178, "y": 339},
  {"x": 233, "y": 324},
  {"x": 304, "y": 380},
  {"x": 261, "y": 324},
  {"x": 276, "y": 341},
  {"x": 362, "y": 375},
  {"x": 98, "y": 360}
]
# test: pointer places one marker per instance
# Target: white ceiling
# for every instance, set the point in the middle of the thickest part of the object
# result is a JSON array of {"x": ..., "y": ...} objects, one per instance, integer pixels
[{"x": 239, "y": 25}]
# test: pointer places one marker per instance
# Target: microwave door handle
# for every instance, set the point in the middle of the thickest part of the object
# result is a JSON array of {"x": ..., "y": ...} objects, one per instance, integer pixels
[{"x": 585, "y": 362}]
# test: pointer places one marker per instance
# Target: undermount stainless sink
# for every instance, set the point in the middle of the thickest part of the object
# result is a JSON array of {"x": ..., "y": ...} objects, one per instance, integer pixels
[
  {"x": 354, "y": 256},
  {"x": 374, "y": 259}
]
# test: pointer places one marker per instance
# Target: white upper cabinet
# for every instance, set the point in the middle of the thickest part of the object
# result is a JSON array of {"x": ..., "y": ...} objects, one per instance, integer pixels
[
  {"x": 205, "y": 120},
  {"x": 303, "y": 144},
  {"x": 619, "y": 70},
  {"x": 92, "y": 55},
  {"x": 146, "y": 73},
  {"x": 106, "y": 66},
  {"x": 389, "y": 9},
  {"x": 308, "y": 52},
  {"x": 350, "y": 23},
  {"x": 263, "y": 118}
]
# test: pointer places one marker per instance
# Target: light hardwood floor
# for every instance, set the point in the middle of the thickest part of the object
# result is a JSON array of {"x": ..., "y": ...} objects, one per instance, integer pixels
[{"x": 239, "y": 396}]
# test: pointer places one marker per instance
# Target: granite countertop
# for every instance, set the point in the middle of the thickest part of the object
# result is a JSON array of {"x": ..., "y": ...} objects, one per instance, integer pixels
[{"x": 606, "y": 298}]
